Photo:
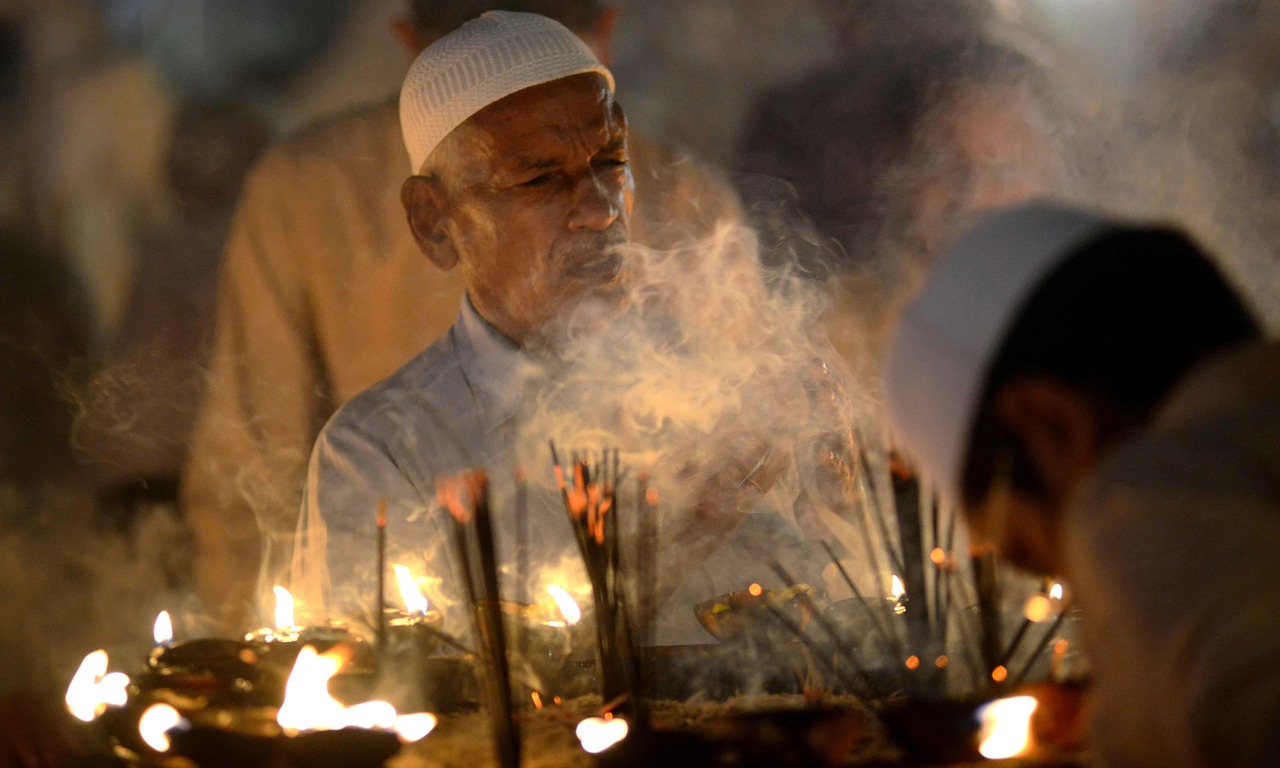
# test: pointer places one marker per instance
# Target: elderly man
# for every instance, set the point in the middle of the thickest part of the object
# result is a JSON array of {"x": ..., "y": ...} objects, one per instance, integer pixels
[
  {"x": 1093, "y": 393},
  {"x": 523, "y": 185},
  {"x": 324, "y": 293}
]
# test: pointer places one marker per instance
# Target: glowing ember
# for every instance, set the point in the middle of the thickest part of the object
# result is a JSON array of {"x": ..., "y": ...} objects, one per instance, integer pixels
[
  {"x": 1038, "y": 608},
  {"x": 537, "y": 700},
  {"x": 598, "y": 734},
  {"x": 155, "y": 724},
  {"x": 755, "y": 590},
  {"x": 93, "y": 689},
  {"x": 999, "y": 674},
  {"x": 284, "y": 607},
  {"x": 912, "y": 662},
  {"x": 1005, "y": 727},
  {"x": 938, "y": 556},
  {"x": 308, "y": 706},
  {"x": 163, "y": 630},
  {"x": 414, "y": 601}
]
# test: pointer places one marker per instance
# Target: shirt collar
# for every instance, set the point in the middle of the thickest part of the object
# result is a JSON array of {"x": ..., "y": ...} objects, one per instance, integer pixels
[{"x": 491, "y": 362}]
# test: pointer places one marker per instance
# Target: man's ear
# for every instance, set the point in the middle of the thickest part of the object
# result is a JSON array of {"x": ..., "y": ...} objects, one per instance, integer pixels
[
  {"x": 1060, "y": 428},
  {"x": 425, "y": 204}
]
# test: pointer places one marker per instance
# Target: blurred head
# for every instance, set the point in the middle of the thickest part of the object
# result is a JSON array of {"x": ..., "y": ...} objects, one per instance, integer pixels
[
  {"x": 530, "y": 195},
  {"x": 1079, "y": 355},
  {"x": 429, "y": 20}
]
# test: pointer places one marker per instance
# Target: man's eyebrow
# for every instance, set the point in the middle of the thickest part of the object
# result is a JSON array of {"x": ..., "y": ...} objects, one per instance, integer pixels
[{"x": 526, "y": 164}]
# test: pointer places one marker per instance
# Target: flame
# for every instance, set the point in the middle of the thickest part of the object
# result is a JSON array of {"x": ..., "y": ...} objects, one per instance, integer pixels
[
  {"x": 598, "y": 733},
  {"x": 284, "y": 607},
  {"x": 896, "y": 590},
  {"x": 414, "y": 601},
  {"x": 1005, "y": 727},
  {"x": 1055, "y": 592},
  {"x": 568, "y": 606},
  {"x": 155, "y": 724},
  {"x": 93, "y": 689},
  {"x": 163, "y": 629},
  {"x": 309, "y": 707}
]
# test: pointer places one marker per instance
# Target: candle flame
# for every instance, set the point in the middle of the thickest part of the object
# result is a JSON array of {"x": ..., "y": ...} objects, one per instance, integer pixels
[
  {"x": 163, "y": 629},
  {"x": 308, "y": 706},
  {"x": 567, "y": 605},
  {"x": 896, "y": 590},
  {"x": 93, "y": 689},
  {"x": 598, "y": 734},
  {"x": 1055, "y": 592},
  {"x": 1005, "y": 727},
  {"x": 284, "y": 607},
  {"x": 414, "y": 601},
  {"x": 155, "y": 724}
]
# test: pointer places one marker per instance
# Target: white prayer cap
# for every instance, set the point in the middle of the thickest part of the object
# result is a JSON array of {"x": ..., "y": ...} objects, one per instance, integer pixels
[
  {"x": 484, "y": 60},
  {"x": 950, "y": 333}
]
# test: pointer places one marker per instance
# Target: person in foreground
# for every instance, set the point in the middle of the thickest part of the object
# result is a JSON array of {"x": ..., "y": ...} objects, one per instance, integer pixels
[
  {"x": 1103, "y": 406},
  {"x": 522, "y": 184}
]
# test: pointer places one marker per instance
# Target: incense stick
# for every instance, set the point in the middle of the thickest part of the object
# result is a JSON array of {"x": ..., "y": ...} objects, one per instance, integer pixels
[{"x": 380, "y": 613}]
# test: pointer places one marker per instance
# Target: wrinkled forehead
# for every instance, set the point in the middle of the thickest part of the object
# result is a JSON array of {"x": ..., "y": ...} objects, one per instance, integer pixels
[{"x": 578, "y": 110}]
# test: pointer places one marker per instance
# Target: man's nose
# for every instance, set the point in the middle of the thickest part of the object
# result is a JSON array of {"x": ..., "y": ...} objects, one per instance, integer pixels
[{"x": 596, "y": 205}]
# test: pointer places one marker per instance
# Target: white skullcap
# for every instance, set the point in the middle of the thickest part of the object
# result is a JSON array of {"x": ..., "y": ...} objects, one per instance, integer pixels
[
  {"x": 948, "y": 336},
  {"x": 484, "y": 60}
]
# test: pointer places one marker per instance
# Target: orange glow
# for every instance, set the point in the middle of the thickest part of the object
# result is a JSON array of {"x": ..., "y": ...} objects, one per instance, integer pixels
[
  {"x": 556, "y": 700},
  {"x": 651, "y": 497},
  {"x": 999, "y": 674},
  {"x": 155, "y": 724},
  {"x": 284, "y": 607},
  {"x": 1006, "y": 727},
  {"x": 1060, "y": 646},
  {"x": 913, "y": 661},
  {"x": 938, "y": 556},
  {"x": 537, "y": 700},
  {"x": 598, "y": 733},
  {"x": 755, "y": 590},
  {"x": 308, "y": 706},
  {"x": 93, "y": 689},
  {"x": 1038, "y": 608},
  {"x": 941, "y": 662},
  {"x": 414, "y": 601}
]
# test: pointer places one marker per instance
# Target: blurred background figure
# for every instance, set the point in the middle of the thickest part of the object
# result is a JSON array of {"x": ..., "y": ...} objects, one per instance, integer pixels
[
  {"x": 861, "y": 172},
  {"x": 139, "y": 407},
  {"x": 325, "y": 293}
]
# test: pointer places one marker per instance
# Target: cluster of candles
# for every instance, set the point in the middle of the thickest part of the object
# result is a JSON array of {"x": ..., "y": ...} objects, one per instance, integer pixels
[{"x": 318, "y": 654}]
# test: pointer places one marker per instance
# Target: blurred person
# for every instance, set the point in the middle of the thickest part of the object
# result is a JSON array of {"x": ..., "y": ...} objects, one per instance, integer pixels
[
  {"x": 324, "y": 293},
  {"x": 882, "y": 158},
  {"x": 45, "y": 348},
  {"x": 1100, "y": 402},
  {"x": 141, "y": 403},
  {"x": 524, "y": 187}
]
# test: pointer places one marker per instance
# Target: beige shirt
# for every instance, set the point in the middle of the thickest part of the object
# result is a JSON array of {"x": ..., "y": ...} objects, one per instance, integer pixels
[
  {"x": 323, "y": 293},
  {"x": 1174, "y": 552}
]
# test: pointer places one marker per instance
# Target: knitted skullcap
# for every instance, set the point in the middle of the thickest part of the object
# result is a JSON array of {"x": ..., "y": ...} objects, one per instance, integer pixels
[
  {"x": 479, "y": 63},
  {"x": 949, "y": 335}
]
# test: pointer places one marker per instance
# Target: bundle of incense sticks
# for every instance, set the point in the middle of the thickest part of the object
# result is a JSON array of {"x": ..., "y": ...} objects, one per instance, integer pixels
[
  {"x": 589, "y": 491},
  {"x": 466, "y": 497}
]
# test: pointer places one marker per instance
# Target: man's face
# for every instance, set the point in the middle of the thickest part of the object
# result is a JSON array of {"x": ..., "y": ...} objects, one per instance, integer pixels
[{"x": 536, "y": 198}]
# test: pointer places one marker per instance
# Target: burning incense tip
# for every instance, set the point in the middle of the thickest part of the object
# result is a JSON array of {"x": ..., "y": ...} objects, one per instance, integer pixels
[
  {"x": 912, "y": 662},
  {"x": 537, "y": 700},
  {"x": 999, "y": 674},
  {"x": 755, "y": 590},
  {"x": 941, "y": 662},
  {"x": 938, "y": 556},
  {"x": 1060, "y": 647},
  {"x": 382, "y": 513},
  {"x": 1037, "y": 609}
]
